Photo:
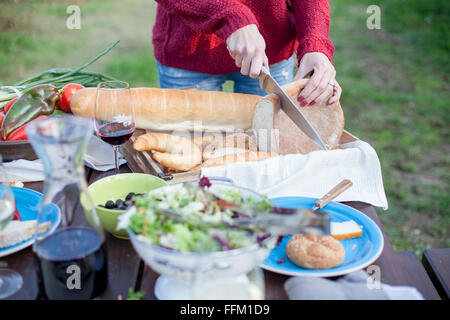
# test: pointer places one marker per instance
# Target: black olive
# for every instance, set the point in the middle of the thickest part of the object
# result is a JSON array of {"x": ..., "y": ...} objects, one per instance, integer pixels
[
  {"x": 109, "y": 204},
  {"x": 119, "y": 203},
  {"x": 130, "y": 195}
]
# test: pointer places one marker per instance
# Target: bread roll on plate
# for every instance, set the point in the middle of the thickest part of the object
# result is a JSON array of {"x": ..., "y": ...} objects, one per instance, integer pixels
[{"x": 312, "y": 252}]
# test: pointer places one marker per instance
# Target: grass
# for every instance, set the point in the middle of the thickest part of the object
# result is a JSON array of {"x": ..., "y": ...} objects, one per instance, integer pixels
[
  {"x": 396, "y": 97},
  {"x": 395, "y": 81}
]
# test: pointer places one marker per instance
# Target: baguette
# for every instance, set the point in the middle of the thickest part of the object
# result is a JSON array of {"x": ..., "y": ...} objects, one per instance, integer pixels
[
  {"x": 328, "y": 120},
  {"x": 172, "y": 151},
  {"x": 173, "y": 109},
  {"x": 238, "y": 157}
]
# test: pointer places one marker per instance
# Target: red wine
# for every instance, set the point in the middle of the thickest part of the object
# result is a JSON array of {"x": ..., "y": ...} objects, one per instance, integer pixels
[
  {"x": 72, "y": 265},
  {"x": 115, "y": 133}
]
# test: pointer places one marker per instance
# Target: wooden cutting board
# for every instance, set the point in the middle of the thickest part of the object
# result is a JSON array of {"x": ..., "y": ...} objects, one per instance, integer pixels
[{"x": 142, "y": 162}]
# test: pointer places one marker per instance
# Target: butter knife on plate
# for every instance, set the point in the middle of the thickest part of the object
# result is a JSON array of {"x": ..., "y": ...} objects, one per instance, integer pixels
[{"x": 269, "y": 85}]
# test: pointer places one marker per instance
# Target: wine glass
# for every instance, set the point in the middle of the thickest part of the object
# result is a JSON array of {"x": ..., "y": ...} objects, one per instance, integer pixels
[
  {"x": 114, "y": 115},
  {"x": 10, "y": 281}
]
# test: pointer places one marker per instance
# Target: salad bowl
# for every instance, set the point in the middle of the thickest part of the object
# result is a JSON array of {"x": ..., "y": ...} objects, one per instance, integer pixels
[{"x": 181, "y": 269}]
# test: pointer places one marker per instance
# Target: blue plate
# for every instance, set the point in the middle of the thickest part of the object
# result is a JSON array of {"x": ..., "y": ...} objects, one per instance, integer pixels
[
  {"x": 27, "y": 203},
  {"x": 359, "y": 252}
]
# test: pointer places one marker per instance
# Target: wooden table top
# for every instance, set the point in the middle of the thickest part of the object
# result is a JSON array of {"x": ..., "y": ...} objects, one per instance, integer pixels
[{"x": 126, "y": 270}]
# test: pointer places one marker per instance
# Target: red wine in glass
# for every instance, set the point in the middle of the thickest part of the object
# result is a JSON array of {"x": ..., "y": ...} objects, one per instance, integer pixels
[
  {"x": 114, "y": 115},
  {"x": 115, "y": 133}
]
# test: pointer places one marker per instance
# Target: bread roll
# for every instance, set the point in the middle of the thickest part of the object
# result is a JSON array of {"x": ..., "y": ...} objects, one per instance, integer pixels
[
  {"x": 232, "y": 143},
  {"x": 172, "y": 151},
  {"x": 204, "y": 141},
  {"x": 173, "y": 109},
  {"x": 328, "y": 120},
  {"x": 313, "y": 252},
  {"x": 238, "y": 157}
]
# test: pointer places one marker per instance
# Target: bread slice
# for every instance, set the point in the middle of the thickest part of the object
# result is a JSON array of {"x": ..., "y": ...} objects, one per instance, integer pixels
[
  {"x": 19, "y": 231},
  {"x": 276, "y": 132},
  {"x": 345, "y": 230},
  {"x": 18, "y": 184}
]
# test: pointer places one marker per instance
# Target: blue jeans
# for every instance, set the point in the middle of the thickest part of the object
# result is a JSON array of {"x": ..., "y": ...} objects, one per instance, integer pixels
[{"x": 175, "y": 78}]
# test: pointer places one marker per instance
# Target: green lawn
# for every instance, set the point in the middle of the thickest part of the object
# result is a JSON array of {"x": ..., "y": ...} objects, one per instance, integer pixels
[{"x": 395, "y": 82}]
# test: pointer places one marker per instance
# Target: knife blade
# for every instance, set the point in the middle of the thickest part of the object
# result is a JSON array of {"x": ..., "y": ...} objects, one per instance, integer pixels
[{"x": 269, "y": 85}]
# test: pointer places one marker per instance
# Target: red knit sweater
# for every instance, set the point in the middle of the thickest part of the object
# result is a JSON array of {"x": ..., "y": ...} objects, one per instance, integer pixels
[{"x": 191, "y": 34}]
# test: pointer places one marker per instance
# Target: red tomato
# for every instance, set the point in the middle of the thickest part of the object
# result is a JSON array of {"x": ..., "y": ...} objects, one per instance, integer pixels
[
  {"x": 20, "y": 133},
  {"x": 2, "y": 115},
  {"x": 16, "y": 215},
  {"x": 9, "y": 105},
  {"x": 67, "y": 92}
]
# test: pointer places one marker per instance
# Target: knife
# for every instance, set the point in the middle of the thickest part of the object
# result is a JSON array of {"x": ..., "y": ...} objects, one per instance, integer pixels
[{"x": 269, "y": 85}]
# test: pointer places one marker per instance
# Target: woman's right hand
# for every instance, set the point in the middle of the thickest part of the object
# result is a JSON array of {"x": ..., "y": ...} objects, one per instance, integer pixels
[{"x": 247, "y": 47}]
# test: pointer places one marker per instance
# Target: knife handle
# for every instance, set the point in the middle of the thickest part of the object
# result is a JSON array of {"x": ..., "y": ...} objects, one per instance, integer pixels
[{"x": 333, "y": 193}]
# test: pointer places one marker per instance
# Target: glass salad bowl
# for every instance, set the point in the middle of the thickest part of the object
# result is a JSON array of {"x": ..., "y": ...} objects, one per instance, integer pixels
[{"x": 182, "y": 271}]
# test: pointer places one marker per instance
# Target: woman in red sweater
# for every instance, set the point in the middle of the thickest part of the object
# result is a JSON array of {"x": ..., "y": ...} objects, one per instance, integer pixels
[{"x": 204, "y": 42}]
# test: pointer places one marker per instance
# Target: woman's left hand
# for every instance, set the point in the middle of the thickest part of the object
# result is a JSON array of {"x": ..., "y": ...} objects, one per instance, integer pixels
[{"x": 323, "y": 81}]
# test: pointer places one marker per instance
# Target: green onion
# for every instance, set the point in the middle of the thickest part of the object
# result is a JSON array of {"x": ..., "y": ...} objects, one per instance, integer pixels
[{"x": 58, "y": 77}]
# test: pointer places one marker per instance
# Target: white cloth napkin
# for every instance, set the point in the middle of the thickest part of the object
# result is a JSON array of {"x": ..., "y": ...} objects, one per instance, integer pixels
[
  {"x": 353, "y": 286},
  {"x": 312, "y": 175},
  {"x": 24, "y": 170},
  {"x": 99, "y": 156}
]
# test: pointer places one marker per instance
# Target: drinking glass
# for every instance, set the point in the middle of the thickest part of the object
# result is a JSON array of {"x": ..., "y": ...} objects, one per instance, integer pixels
[
  {"x": 10, "y": 281},
  {"x": 114, "y": 115}
]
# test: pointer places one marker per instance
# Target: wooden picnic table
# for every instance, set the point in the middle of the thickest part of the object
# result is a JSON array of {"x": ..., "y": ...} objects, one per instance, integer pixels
[{"x": 126, "y": 269}]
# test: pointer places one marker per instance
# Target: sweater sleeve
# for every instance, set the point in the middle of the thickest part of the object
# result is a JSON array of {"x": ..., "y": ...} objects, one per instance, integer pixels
[
  {"x": 221, "y": 17},
  {"x": 312, "y": 22}
]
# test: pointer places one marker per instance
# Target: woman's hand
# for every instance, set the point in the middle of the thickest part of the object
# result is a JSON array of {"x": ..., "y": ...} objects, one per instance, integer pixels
[
  {"x": 323, "y": 81},
  {"x": 247, "y": 47}
]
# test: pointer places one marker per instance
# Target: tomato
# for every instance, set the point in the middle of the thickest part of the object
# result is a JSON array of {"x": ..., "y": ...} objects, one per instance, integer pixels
[
  {"x": 2, "y": 115},
  {"x": 16, "y": 215},
  {"x": 9, "y": 105},
  {"x": 20, "y": 133},
  {"x": 67, "y": 92}
]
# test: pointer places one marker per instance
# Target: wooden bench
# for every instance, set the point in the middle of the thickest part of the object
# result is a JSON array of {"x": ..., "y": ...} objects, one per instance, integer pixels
[
  {"x": 416, "y": 276},
  {"x": 437, "y": 265}
]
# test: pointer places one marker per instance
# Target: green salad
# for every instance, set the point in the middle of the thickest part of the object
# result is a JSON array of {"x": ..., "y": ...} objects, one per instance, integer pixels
[{"x": 194, "y": 204}]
